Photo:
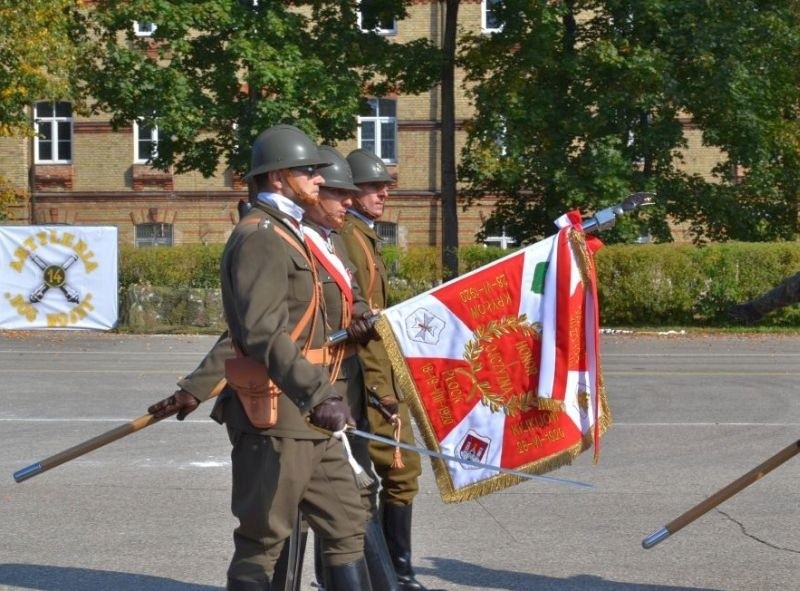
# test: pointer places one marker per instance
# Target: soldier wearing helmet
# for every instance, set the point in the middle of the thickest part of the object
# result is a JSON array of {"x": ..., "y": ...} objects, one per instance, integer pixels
[
  {"x": 322, "y": 222},
  {"x": 269, "y": 286},
  {"x": 399, "y": 485}
]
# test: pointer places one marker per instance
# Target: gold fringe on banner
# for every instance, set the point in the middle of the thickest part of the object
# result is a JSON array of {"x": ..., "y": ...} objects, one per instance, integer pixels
[{"x": 448, "y": 492}]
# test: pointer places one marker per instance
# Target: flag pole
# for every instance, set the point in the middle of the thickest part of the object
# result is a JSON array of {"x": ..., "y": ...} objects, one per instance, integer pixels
[
  {"x": 723, "y": 494},
  {"x": 96, "y": 442},
  {"x": 602, "y": 220}
]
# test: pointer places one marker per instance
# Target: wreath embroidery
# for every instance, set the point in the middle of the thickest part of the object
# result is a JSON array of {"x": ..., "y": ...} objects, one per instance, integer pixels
[{"x": 484, "y": 338}]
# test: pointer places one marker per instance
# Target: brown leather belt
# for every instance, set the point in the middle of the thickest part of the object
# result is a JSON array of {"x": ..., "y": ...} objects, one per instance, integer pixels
[{"x": 324, "y": 355}]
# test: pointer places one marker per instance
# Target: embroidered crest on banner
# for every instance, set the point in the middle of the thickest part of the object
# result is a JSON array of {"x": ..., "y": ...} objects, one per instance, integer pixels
[
  {"x": 424, "y": 326},
  {"x": 473, "y": 447}
]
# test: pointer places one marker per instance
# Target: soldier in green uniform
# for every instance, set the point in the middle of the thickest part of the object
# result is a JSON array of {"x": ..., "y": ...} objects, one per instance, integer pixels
[
  {"x": 399, "y": 485},
  {"x": 344, "y": 307},
  {"x": 269, "y": 285},
  {"x": 787, "y": 292}
]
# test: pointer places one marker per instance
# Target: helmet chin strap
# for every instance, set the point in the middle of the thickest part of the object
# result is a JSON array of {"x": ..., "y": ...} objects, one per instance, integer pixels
[
  {"x": 332, "y": 221},
  {"x": 360, "y": 209},
  {"x": 302, "y": 197}
]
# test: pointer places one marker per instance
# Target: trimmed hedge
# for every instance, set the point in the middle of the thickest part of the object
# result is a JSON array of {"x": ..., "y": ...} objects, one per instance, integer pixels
[
  {"x": 638, "y": 285},
  {"x": 666, "y": 284},
  {"x": 177, "y": 266}
]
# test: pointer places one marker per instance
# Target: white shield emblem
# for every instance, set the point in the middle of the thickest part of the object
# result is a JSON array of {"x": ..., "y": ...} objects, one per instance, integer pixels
[{"x": 424, "y": 327}]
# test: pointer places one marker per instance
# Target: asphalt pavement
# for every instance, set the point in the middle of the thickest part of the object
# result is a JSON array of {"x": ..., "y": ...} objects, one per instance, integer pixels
[{"x": 692, "y": 414}]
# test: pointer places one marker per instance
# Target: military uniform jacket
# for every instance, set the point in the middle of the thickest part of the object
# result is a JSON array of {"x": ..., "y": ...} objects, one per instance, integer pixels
[
  {"x": 371, "y": 277},
  {"x": 211, "y": 370},
  {"x": 267, "y": 285}
]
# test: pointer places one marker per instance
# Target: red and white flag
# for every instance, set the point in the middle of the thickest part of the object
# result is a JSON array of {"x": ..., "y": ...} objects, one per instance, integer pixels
[{"x": 501, "y": 365}]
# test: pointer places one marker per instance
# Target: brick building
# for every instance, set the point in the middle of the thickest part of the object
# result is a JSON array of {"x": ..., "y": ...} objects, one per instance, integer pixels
[{"x": 80, "y": 171}]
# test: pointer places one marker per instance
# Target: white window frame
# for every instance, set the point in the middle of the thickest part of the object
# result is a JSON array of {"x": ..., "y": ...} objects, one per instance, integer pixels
[
  {"x": 379, "y": 121},
  {"x": 56, "y": 139},
  {"x": 163, "y": 235},
  {"x": 378, "y": 29},
  {"x": 487, "y": 7},
  {"x": 137, "y": 158},
  {"x": 144, "y": 29}
]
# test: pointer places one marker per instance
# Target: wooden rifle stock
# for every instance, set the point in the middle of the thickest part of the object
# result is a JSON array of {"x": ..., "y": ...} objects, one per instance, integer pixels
[{"x": 97, "y": 442}]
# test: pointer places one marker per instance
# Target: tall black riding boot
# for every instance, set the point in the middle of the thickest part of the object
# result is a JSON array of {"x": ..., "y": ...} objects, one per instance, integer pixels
[
  {"x": 247, "y": 586},
  {"x": 279, "y": 577},
  {"x": 379, "y": 561},
  {"x": 352, "y": 576},
  {"x": 397, "y": 529}
]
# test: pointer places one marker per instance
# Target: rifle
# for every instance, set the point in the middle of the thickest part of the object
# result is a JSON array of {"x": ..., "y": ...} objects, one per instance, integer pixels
[
  {"x": 721, "y": 495},
  {"x": 97, "y": 442}
]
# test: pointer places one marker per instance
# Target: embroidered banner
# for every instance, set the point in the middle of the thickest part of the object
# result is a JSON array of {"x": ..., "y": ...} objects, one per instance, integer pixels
[
  {"x": 501, "y": 365},
  {"x": 58, "y": 277}
]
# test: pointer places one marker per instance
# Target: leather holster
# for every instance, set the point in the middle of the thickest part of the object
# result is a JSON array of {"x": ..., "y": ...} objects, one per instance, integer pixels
[{"x": 256, "y": 392}]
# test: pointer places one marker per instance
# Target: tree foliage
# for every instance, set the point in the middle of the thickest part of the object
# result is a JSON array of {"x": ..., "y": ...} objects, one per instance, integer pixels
[
  {"x": 37, "y": 56},
  {"x": 217, "y": 72},
  {"x": 582, "y": 102}
]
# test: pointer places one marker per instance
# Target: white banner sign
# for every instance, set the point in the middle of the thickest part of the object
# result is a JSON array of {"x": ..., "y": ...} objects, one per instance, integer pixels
[{"x": 58, "y": 277}]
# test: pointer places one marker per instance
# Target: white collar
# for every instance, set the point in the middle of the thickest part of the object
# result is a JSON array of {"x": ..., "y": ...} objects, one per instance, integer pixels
[
  {"x": 282, "y": 204},
  {"x": 369, "y": 222}
]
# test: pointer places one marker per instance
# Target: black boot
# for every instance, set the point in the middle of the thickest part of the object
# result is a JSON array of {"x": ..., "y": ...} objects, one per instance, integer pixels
[
  {"x": 397, "y": 529},
  {"x": 352, "y": 576},
  {"x": 234, "y": 585},
  {"x": 279, "y": 577},
  {"x": 379, "y": 561}
]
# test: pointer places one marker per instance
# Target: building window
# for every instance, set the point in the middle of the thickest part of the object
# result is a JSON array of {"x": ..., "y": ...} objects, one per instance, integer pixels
[
  {"x": 490, "y": 23},
  {"x": 145, "y": 143},
  {"x": 153, "y": 235},
  {"x": 371, "y": 19},
  {"x": 53, "y": 143},
  {"x": 143, "y": 29},
  {"x": 387, "y": 232},
  {"x": 377, "y": 132}
]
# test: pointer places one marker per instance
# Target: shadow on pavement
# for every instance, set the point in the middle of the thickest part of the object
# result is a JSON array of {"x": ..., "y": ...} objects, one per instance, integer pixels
[
  {"x": 61, "y": 578},
  {"x": 465, "y": 574}
]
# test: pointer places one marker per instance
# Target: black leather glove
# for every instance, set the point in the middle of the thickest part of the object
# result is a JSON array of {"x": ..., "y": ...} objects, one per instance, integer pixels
[
  {"x": 181, "y": 402},
  {"x": 362, "y": 330},
  {"x": 389, "y": 403},
  {"x": 332, "y": 414}
]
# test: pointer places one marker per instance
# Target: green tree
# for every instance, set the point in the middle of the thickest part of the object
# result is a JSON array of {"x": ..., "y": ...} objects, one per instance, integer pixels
[
  {"x": 581, "y": 102},
  {"x": 37, "y": 55},
  {"x": 217, "y": 72},
  {"x": 37, "y": 59}
]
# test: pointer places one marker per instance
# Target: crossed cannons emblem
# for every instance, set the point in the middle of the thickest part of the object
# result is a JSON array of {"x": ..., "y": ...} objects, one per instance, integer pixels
[{"x": 54, "y": 276}]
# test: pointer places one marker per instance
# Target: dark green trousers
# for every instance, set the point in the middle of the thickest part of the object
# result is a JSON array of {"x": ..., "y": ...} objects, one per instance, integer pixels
[
  {"x": 273, "y": 477},
  {"x": 399, "y": 486}
]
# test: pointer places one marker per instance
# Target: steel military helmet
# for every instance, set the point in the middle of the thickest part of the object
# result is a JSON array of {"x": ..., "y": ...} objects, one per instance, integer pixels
[
  {"x": 283, "y": 146},
  {"x": 368, "y": 167},
  {"x": 338, "y": 175}
]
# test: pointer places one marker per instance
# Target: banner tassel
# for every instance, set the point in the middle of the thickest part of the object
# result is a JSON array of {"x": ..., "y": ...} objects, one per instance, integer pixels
[{"x": 397, "y": 458}]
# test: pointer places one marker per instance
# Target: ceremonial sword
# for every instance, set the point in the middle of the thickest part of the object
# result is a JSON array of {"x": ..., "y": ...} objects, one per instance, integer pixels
[{"x": 451, "y": 458}]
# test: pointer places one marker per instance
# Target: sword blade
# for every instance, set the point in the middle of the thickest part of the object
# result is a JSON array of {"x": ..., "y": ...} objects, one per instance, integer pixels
[{"x": 450, "y": 458}]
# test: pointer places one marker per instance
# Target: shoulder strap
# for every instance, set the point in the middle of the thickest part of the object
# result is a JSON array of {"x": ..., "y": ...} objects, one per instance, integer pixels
[
  {"x": 373, "y": 275},
  {"x": 308, "y": 315}
]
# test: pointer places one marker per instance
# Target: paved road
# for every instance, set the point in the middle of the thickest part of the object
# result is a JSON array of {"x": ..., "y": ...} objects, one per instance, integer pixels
[{"x": 151, "y": 512}]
